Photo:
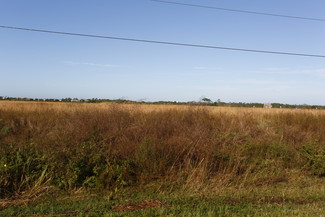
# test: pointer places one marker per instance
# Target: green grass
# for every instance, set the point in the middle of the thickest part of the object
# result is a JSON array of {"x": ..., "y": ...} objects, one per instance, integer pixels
[{"x": 263, "y": 201}]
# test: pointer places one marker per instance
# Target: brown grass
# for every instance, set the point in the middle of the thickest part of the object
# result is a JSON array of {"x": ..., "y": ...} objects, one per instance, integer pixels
[{"x": 113, "y": 145}]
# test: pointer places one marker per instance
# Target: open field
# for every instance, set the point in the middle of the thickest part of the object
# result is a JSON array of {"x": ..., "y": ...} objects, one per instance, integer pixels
[{"x": 73, "y": 159}]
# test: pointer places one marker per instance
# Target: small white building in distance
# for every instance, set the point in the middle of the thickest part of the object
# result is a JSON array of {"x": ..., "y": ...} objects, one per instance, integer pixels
[{"x": 267, "y": 105}]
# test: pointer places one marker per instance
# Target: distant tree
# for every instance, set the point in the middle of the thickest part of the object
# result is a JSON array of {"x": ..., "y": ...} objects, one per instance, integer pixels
[
  {"x": 206, "y": 100},
  {"x": 66, "y": 100}
]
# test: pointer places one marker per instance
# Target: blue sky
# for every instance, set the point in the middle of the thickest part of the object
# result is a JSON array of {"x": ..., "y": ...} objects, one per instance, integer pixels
[{"x": 40, "y": 65}]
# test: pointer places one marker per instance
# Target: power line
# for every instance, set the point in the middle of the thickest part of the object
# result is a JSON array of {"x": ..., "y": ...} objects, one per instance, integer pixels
[
  {"x": 162, "y": 42},
  {"x": 239, "y": 11}
]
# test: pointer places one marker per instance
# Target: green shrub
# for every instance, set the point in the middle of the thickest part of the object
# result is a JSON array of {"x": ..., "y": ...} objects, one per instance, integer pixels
[
  {"x": 89, "y": 166},
  {"x": 20, "y": 168},
  {"x": 315, "y": 159}
]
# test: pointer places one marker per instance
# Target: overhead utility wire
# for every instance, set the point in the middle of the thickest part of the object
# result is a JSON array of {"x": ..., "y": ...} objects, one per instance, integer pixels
[
  {"x": 239, "y": 11},
  {"x": 161, "y": 42}
]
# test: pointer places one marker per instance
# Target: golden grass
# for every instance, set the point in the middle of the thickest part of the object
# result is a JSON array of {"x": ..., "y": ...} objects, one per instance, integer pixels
[
  {"x": 199, "y": 147},
  {"x": 32, "y": 106}
]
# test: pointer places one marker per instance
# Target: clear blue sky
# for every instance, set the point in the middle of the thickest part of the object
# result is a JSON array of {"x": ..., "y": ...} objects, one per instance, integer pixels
[{"x": 56, "y": 66}]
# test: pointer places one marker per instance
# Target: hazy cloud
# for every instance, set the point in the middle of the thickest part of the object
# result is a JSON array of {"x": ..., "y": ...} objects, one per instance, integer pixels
[
  {"x": 265, "y": 82},
  {"x": 207, "y": 68},
  {"x": 312, "y": 72},
  {"x": 89, "y": 64},
  {"x": 249, "y": 84}
]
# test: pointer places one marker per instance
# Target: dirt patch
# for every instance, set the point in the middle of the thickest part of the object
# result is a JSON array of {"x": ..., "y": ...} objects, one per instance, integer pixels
[{"x": 145, "y": 204}]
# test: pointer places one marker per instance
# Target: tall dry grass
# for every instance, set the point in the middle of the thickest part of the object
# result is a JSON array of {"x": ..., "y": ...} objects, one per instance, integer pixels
[{"x": 109, "y": 146}]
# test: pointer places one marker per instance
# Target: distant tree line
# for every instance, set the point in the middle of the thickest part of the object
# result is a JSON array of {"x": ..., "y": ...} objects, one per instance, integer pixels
[{"x": 203, "y": 101}]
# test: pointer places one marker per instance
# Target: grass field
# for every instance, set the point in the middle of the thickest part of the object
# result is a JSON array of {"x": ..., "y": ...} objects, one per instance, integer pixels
[{"x": 74, "y": 159}]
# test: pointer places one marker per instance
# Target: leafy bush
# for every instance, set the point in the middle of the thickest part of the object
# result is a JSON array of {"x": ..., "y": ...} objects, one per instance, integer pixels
[
  {"x": 20, "y": 168},
  {"x": 315, "y": 159}
]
